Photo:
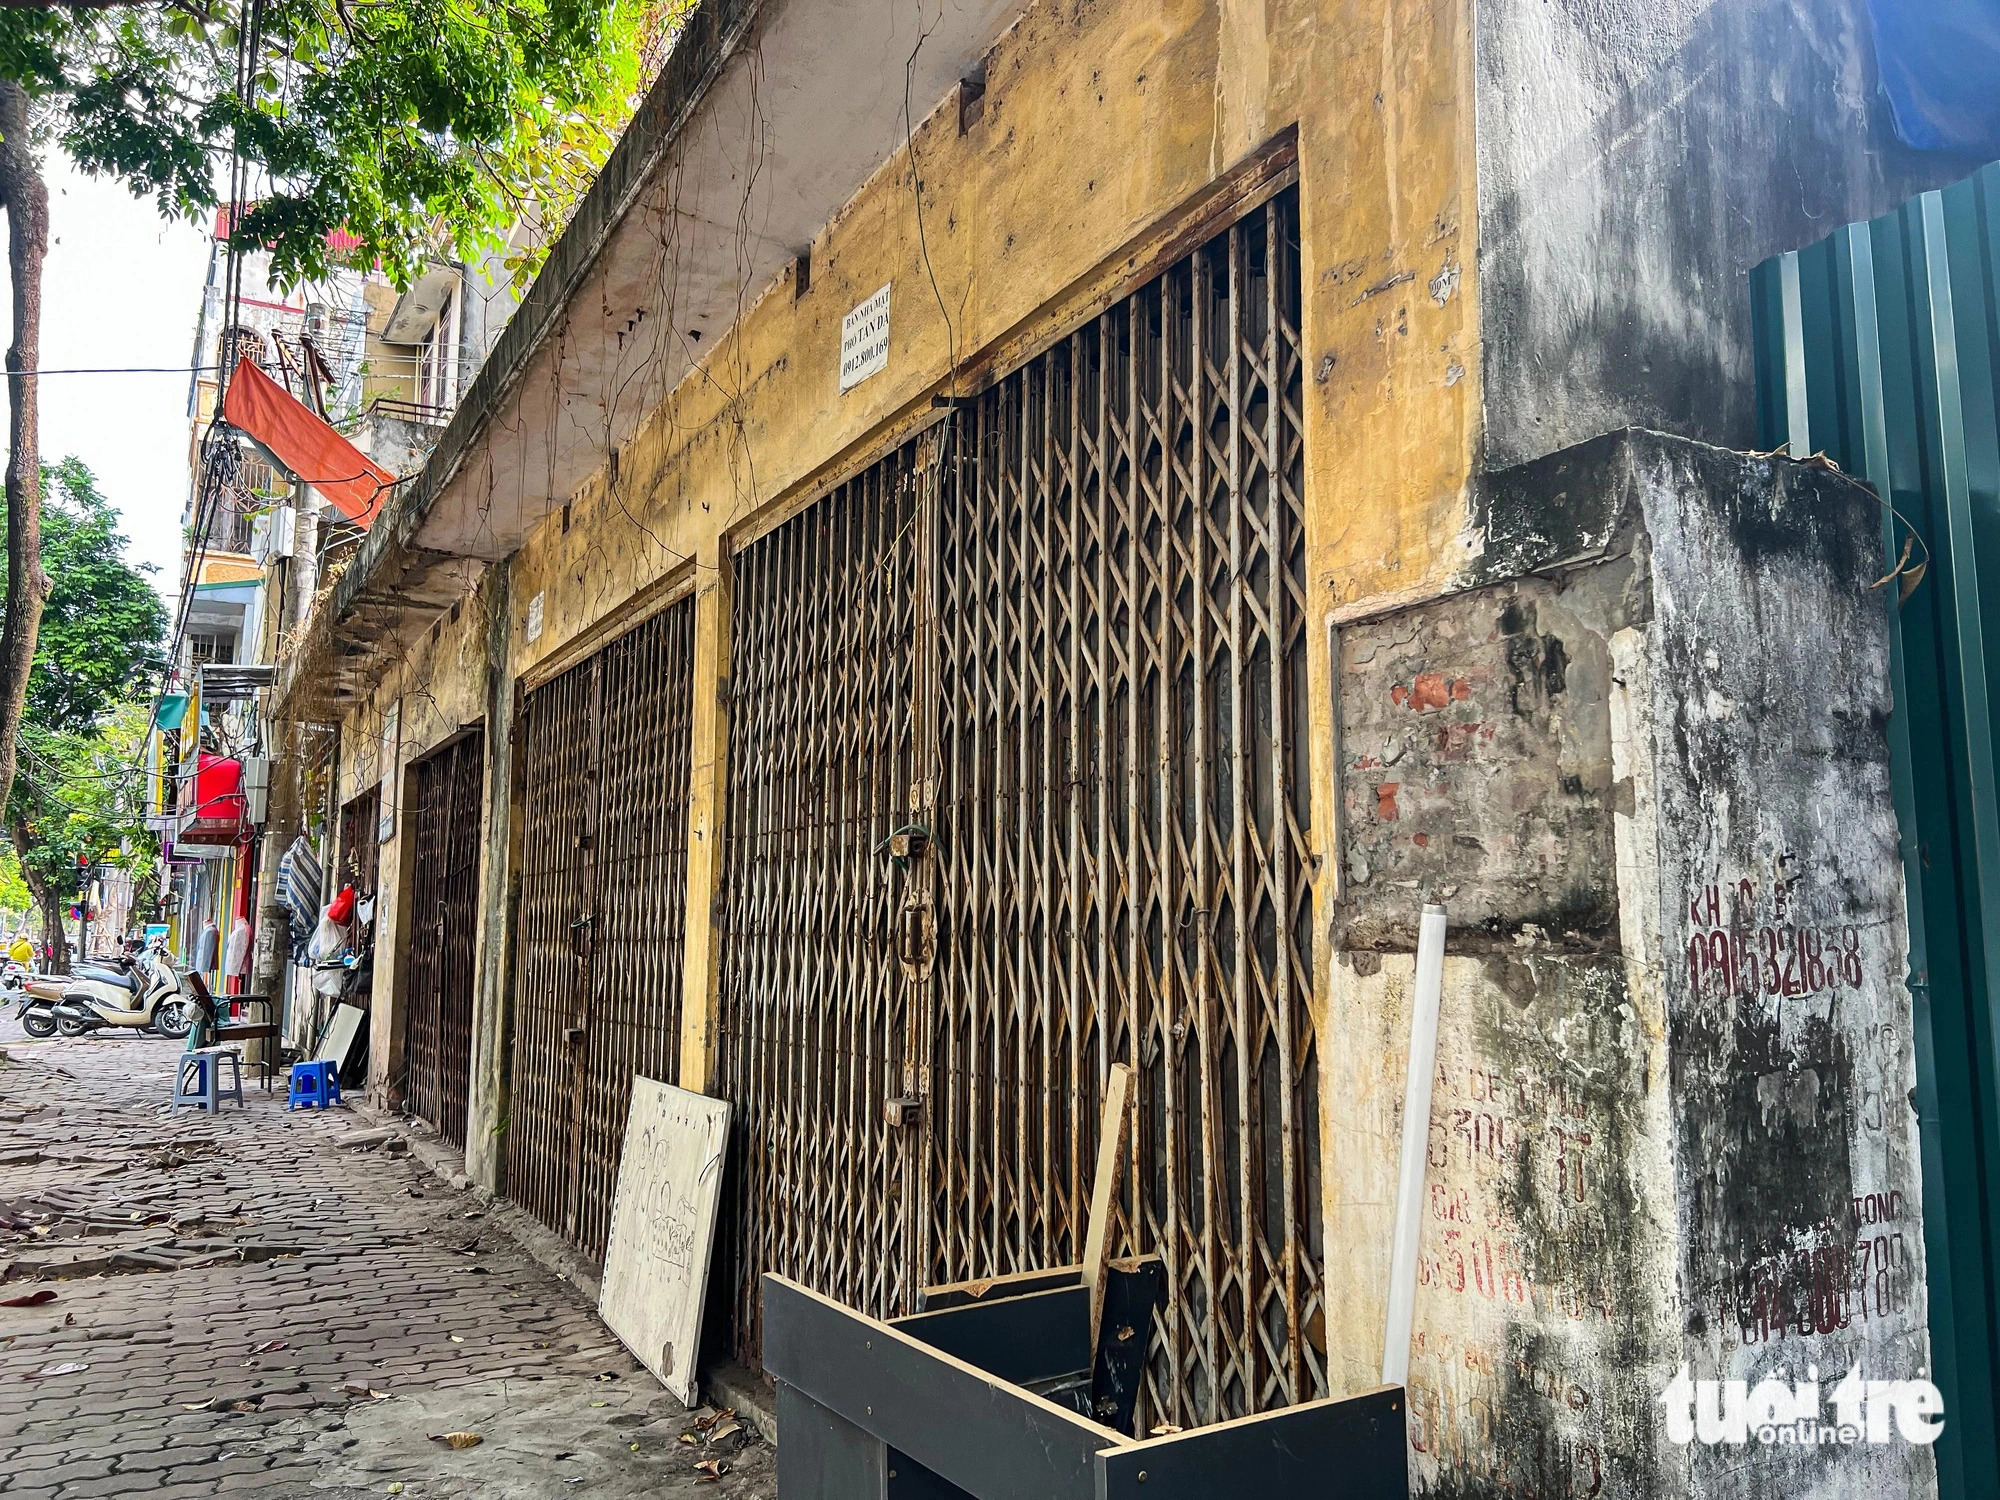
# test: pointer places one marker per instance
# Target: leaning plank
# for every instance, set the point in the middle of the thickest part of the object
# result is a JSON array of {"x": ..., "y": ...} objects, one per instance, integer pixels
[
  {"x": 1114, "y": 1133},
  {"x": 993, "y": 1440}
]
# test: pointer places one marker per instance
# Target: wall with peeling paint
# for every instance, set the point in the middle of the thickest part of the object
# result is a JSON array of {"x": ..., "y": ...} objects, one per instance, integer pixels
[
  {"x": 1635, "y": 161},
  {"x": 1671, "y": 1120},
  {"x": 1504, "y": 701}
]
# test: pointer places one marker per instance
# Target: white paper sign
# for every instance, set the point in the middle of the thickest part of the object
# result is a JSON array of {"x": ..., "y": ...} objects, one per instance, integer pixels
[
  {"x": 534, "y": 619},
  {"x": 864, "y": 340},
  {"x": 663, "y": 1229}
]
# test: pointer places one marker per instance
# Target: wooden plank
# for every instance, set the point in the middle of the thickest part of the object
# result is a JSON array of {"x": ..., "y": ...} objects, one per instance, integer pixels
[
  {"x": 1131, "y": 1295},
  {"x": 1114, "y": 1134},
  {"x": 1347, "y": 1449},
  {"x": 1023, "y": 1339},
  {"x": 663, "y": 1229},
  {"x": 996, "y": 1288},
  {"x": 971, "y": 1429}
]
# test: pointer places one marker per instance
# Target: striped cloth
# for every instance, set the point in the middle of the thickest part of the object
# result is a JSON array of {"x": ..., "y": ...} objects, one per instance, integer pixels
[{"x": 298, "y": 892}]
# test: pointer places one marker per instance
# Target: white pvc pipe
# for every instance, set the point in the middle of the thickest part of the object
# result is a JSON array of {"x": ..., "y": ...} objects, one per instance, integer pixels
[{"x": 1416, "y": 1146}]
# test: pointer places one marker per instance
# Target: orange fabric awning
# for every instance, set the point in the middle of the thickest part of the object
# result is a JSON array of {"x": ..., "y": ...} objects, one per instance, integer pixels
[{"x": 352, "y": 482}]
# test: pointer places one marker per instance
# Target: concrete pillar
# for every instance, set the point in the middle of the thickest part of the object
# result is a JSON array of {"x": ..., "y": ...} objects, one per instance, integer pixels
[
  {"x": 708, "y": 794},
  {"x": 386, "y": 1011},
  {"x": 499, "y": 899},
  {"x": 305, "y": 555},
  {"x": 1641, "y": 755}
]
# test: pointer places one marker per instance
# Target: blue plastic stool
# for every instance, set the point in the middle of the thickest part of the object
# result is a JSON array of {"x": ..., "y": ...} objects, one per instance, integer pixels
[
  {"x": 198, "y": 1078},
  {"x": 315, "y": 1085}
]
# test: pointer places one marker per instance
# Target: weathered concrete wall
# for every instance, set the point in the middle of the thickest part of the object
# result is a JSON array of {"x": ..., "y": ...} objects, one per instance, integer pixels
[
  {"x": 1664, "y": 741},
  {"x": 1784, "y": 948},
  {"x": 1636, "y": 159}
]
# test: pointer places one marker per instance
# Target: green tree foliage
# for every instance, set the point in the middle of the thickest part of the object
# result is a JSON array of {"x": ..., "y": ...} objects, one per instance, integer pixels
[
  {"x": 78, "y": 794},
  {"x": 80, "y": 798},
  {"x": 416, "y": 126},
  {"x": 103, "y": 623},
  {"x": 16, "y": 901}
]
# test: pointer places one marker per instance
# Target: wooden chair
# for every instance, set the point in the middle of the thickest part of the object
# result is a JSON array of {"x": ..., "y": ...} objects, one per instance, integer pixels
[{"x": 221, "y": 1033}]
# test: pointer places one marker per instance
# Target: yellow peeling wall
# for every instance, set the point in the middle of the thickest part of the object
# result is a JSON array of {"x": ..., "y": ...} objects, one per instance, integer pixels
[
  {"x": 435, "y": 688},
  {"x": 1099, "y": 123}
]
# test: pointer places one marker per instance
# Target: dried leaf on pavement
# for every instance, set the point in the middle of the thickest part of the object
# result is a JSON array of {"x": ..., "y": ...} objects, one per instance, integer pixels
[
  {"x": 709, "y": 1470},
  {"x": 30, "y": 1299},
  {"x": 456, "y": 1439},
  {"x": 269, "y": 1346},
  {"x": 723, "y": 1430},
  {"x": 70, "y": 1368}
]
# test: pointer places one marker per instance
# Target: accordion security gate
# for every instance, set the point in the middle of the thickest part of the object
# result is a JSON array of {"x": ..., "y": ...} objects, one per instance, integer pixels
[
  {"x": 1063, "y": 637},
  {"x": 603, "y": 884},
  {"x": 444, "y": 896}
]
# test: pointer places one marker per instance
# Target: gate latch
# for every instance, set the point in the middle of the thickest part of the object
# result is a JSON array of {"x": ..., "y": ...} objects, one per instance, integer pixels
[
  {"x": 572, "y": 1034},
  {"x": 902, "y": 1112},
  {"x": 905, "y": 844}
]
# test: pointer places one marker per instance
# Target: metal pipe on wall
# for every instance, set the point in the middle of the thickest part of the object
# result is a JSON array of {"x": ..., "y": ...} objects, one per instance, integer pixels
[{"x": 1424, "y": 1002}]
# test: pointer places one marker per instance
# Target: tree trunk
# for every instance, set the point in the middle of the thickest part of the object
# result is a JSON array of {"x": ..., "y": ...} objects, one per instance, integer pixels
[
  {"x": 47, "y": 902},
  {"x": 25, "y": 198}
]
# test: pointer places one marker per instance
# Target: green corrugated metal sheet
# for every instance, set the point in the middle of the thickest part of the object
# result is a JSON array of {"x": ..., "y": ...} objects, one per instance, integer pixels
[{"x": 1880, "y": 347}]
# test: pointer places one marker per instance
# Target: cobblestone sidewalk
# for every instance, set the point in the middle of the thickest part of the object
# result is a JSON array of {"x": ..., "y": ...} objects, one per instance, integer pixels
[{"x": 246, "y": 1305}]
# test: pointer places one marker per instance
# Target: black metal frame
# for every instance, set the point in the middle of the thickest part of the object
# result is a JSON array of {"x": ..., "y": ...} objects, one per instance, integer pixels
[{"x": 899, "y": 1409}]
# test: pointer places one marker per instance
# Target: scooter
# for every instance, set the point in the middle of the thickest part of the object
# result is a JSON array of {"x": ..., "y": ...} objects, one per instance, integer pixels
[
  {"x": 40, "y": 994},
  {"x": 146, "y": 995}
]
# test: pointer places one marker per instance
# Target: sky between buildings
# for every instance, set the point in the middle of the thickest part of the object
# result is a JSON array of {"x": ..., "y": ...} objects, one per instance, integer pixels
[{"x": 121, "y": 288}]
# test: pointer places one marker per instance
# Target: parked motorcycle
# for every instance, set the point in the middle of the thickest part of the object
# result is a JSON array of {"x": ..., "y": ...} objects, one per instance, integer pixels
[
  {"x": 140, "y": 994},
  {"x": 37, "y": 1009}
]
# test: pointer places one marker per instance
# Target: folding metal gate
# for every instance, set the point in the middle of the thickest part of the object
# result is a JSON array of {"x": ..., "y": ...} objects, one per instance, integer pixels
[
  {"x": 444, "y": 910},
  {"x": 1062, "y": 638},
  {"x": 604, "y": 874}
]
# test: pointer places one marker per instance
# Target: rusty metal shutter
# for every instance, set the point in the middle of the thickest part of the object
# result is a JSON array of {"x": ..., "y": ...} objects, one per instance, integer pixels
[
  {"x": 1122, "y": 822},
  {"x": 604, "y": 873},
  {"x": 1065, "y": 634},
  {"x": 444, "y": 912},
  {"x": 815, "y": 1019}
]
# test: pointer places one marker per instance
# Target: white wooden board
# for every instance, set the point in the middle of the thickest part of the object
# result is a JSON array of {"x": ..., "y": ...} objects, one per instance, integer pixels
[
  {"x": 340, "y": 1036},
  {"x": 663, "y": 1229}
]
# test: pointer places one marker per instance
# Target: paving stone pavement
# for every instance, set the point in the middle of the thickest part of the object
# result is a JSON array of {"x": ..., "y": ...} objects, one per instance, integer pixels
[{"x": 180, "y": 1247}]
